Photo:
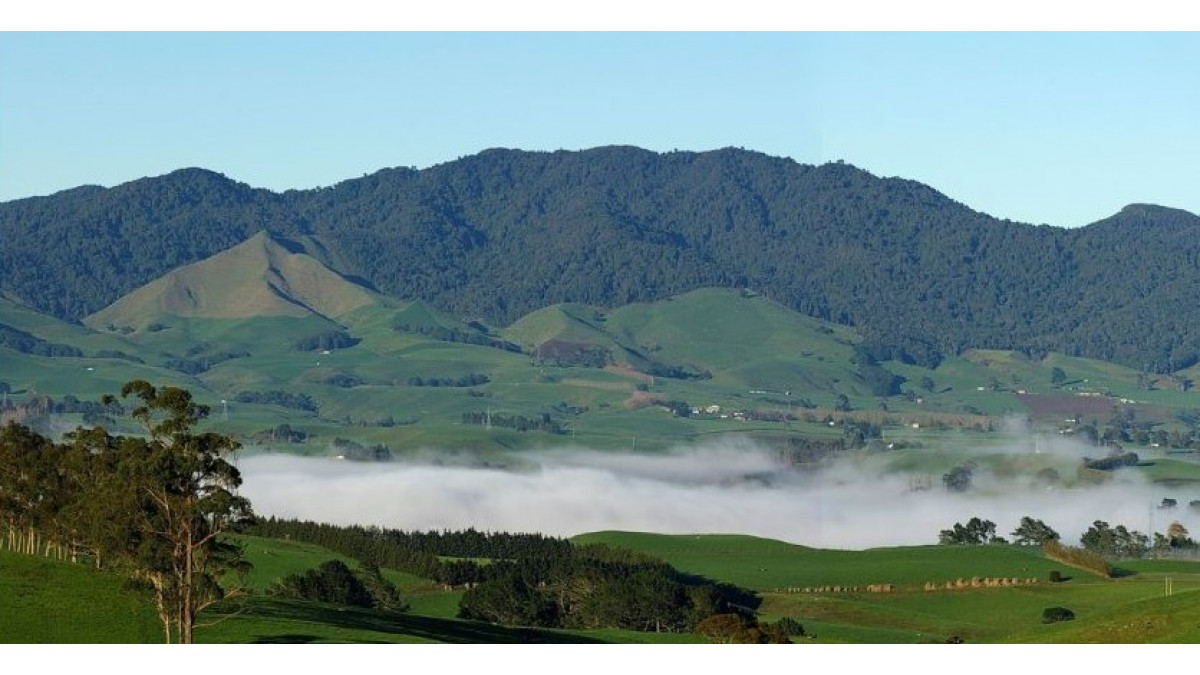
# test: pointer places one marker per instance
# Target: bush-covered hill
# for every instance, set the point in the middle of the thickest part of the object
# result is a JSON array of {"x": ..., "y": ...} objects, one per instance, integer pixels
[{"x": 502, "y": 233}]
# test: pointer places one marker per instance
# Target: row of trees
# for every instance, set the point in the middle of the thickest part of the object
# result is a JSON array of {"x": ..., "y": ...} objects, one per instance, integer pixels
[
  {"x": 469, "y": 380},
  {"x": 420, "y": 553},
  {"x": 519, "y": 422},
  {"x": 154, "y": 507},
  {"x": 1100, "y": 539},
  {"x": 977, "y": 531},
  {"x": 280, "y": 398}
]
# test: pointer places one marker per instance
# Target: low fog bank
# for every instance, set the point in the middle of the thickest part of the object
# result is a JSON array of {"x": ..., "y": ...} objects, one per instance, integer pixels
[{"x": 721, "y": 489}]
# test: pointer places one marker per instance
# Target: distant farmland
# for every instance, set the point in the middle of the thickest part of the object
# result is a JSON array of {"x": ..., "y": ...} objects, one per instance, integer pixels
[{"x": 1063, "y": 406}]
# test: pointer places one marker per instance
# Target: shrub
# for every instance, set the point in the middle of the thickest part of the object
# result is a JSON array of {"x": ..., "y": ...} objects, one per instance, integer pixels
[
  {"x": 790, "y": 626},
  {"x": 1056, "y": 614},
  {"x": 1055, "y": 576},
  {"x": 331, "y": 582}
]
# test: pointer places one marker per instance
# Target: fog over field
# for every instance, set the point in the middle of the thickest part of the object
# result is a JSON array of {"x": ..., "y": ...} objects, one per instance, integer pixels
[{"x": 731, "y": 488}]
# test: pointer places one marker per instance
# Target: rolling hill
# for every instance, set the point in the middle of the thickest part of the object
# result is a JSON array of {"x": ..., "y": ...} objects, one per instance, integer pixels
[{"x": 261, "y": 277}]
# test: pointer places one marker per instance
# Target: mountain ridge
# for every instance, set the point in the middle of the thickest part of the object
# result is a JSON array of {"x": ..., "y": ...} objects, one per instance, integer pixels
[{"x": 503, "y": 232}]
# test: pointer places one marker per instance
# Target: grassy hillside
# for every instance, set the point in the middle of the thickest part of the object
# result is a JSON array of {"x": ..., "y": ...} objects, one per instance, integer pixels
[
  {"x": 51, "y": 601},
  {"x": 47, "y": 601},
  {"x": 1131, "y": 609},
  {"x": 261, "y": 277},
  {"x": 401, "y": 374},
  {"x": 765, "y": 564}
]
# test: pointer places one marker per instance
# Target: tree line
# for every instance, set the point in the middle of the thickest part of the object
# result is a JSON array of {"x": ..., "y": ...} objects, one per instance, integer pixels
[
  {"x": 544, "y": 422},
  {"x": 1099, "y": 543}
]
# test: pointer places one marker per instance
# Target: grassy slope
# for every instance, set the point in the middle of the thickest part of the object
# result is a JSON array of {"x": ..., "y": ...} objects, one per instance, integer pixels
[
  {"x": 50, "y": 601},
  {"x": 756, "y": 350},
  {"x": 46, "y": 601},
  {"x": 1127, "y": 610},
  {"x": 765, "y": 564}
]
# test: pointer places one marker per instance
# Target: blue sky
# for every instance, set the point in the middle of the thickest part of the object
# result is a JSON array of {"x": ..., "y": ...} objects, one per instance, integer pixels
[{"x": 1058, "y": 128}]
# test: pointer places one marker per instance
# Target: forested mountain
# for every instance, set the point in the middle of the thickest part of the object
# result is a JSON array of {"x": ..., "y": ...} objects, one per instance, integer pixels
[{"x": 499, "y": 234}]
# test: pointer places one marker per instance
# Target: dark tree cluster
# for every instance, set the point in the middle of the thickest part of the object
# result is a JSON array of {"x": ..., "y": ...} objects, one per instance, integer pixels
[
  {"x": 280, "y": 398},
  {"x": 564, "y": 354},
  {"x": 343, "y": 380},
  {"x": 418, "y": 553},
  {"x": 1112, "y": 462},
  {"x": 801, "y": 450},
  {"x": 334, "y": 582},
  {"x": 733, "y": 628},
  {"x": 1114, "y": 542},
  {"x": 1029, "y": 532},
  {"x": 354, "y": 451},
  {"x": 675, "y": 372},
  {"x": 959, "y": 478},
  {"x": 282, "y": 433},
  {"x": 23, "y": 342},
  {"x": 598, "y": 587},
  {"x": 469, "y": 380},
  {"x": 195, "y": 366},
  {"x": 328, "y": 340},
  {"x": 975, "y": 533},
  {"x": 532, "y": 579},
  {"x": 519, "y": 422},
  {"x": 878, "y": 379},
  {"x": 444, "y": 334}
]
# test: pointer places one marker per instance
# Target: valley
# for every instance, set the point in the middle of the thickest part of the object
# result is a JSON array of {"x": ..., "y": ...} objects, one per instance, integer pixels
[{"x": 716, "y": 429}]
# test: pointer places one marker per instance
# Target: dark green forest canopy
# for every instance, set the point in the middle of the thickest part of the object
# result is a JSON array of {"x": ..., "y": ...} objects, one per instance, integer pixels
[{"x": 499, "y": 234}]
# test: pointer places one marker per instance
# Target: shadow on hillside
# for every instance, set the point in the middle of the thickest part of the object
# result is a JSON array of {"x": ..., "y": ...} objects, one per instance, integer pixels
[
  {"x": 352, "y": 618},
  {"x": 732, "y": 593},
  {"x": 285, "y": 639}
]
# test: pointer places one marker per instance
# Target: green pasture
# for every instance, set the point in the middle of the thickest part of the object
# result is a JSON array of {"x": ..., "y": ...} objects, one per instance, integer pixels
[
  {"x": 1166, "y": 469},
  {"x": 50, "y": 601},
  {"x": 760, "y": 355},
  {"x": 1105, "y": 611},
  {"x": 1132, "y": 608},
  {"x": 765, "y": 564}
]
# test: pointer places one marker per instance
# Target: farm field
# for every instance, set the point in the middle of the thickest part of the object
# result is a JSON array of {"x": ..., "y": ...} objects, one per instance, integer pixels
[
  {"x": 1130, "y": 609},
  {"x": 394, "y": 378},
  {"x": 92, "y": 607}
]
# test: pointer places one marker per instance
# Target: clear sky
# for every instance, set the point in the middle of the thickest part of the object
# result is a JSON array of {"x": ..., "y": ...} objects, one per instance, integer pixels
[{"x": 1058, "y": 128}]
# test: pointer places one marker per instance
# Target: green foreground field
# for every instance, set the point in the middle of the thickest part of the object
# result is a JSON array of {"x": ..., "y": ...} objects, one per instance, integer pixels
[{"x": 50, "y": 601}]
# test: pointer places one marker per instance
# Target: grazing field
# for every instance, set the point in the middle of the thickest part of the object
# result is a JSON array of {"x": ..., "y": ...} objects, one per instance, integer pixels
[
  {"x": 767, "y": 369},
  {"x": 764, "y": 564},
  {"x": 48, "y": 601},
  {"x": 1130, "y": 609}
]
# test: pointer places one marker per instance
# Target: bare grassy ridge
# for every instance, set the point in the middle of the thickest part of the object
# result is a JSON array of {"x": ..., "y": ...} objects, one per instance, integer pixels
[{"x": 257, "y": 278}]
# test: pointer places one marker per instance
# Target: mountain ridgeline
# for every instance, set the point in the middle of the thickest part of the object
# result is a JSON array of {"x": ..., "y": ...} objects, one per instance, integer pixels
[{"x": 502, "y": 233}]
